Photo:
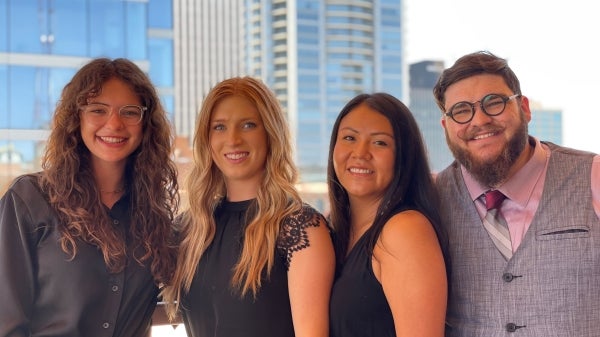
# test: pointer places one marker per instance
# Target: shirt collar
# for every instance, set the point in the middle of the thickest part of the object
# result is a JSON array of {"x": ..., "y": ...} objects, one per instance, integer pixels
[{"x": 520, "y": 186}]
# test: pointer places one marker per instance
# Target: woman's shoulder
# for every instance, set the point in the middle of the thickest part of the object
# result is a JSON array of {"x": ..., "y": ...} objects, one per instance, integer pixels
[
  {"x": 293, "y": 235},
  {"x": 305, "y": 216},
  {"x": 26, "y": 200},
  {"x": 26, "y": 182},
  {"x": 406, "y": 226},
  {"x": 27, "y": 188}
]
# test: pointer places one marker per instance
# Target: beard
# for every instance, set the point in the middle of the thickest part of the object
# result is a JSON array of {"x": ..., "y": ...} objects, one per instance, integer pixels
[{"x": 492, "y": 173}]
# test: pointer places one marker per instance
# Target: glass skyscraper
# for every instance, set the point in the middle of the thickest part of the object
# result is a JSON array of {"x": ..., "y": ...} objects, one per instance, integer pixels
[
  {"x": 315, "y": 55},
  {"x": 318, "y": 54},
  {"x": 44, "y": 42}
]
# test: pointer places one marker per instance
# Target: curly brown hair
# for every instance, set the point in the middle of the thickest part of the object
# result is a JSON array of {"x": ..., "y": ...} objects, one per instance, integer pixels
[{"x": 151, "y": 175}]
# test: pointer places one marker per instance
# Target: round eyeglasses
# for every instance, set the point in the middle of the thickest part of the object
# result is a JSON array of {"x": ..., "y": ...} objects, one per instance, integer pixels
[
  {"x": 491, "y": 105},
  {"x": 99, "y": 114}
]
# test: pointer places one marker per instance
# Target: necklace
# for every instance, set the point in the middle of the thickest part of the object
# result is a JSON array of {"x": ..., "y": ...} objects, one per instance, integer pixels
[{"x": 117, "y": 191}]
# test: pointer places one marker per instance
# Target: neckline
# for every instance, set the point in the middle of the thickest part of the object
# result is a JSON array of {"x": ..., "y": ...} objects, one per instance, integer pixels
[
  {"x": 357, "y": 243},
  {"x": 236, "y": 205}
]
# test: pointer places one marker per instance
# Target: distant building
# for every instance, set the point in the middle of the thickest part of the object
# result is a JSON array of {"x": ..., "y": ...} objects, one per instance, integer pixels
[
  {"x": 209, "y": 39},
  {"x": 423, "y": 76},
  {"x": 314, "y": 54},
  {"x": 43, "y": 44},
  {"x": 317, "y": 55},
  {"x": 9, "y": 155}
]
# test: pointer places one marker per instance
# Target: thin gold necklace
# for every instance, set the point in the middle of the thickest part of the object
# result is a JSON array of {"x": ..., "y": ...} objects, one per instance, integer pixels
[{"x": 117, "y": 191}]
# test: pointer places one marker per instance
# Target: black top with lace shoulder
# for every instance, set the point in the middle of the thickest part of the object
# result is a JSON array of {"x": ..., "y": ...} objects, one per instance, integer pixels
[{"x": 213, "y": 307}]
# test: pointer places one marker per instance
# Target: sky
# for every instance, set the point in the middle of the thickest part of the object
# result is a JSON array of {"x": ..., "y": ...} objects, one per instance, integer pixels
[{"x": 552, "y": 46}]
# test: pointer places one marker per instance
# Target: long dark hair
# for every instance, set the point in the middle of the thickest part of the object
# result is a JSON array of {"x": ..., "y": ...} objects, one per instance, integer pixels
[{"x": 412, "y": 185}]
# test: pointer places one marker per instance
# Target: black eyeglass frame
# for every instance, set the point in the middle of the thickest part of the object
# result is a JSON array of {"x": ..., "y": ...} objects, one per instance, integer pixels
[{"x": 487, "y": 97}]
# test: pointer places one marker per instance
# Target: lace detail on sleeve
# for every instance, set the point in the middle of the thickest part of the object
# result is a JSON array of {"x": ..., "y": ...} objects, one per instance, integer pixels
[{"x": 293, "y": 236}]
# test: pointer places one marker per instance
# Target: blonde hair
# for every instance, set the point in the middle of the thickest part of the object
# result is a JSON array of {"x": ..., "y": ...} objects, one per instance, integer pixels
[{"x": 276, "y": 198}]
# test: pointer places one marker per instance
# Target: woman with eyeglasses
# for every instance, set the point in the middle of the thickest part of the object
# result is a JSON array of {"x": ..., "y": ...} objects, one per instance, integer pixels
[{"x": 85, "y": 243}]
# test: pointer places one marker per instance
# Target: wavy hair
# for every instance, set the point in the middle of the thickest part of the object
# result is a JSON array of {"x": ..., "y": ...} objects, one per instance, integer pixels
[
  {"x": 151, "y": 176},
  {"x": 412, "y": 185},
  {"x": 481, "y": 62},
  {"x": 277, "y": 196}
]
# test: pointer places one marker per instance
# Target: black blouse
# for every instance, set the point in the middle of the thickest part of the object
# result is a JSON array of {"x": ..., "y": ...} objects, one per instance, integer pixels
[
  {"x": 46, "y": 293},
  {"x": 213, "y": 308},
  {"x": 358, "y": 307}
]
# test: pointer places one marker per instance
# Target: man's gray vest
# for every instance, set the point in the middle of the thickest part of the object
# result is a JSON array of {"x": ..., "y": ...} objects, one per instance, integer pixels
[{"x": 551, "y": 286}]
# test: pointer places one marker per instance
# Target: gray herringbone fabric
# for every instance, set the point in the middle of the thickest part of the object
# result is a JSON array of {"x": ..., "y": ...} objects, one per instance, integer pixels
[
  {"x": 551, "y": 285},
  {"x": 495, "y": 224}
]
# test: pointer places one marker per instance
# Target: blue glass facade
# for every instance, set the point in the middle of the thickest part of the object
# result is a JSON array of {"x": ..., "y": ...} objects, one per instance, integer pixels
[
  {"x": 44, "y": 42},
  {"x": 343, "y": 48}
]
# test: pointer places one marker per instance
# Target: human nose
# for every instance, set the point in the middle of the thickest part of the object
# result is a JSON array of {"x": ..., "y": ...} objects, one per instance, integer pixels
[
  {"x": 233, "y": 136},
  {"x": 361, "y": 150},
  {"x": 480, "y": 117},
  {"x": 114, "y": 119}
]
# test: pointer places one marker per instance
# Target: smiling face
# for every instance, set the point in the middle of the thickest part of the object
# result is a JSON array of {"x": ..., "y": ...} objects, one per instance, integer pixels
[
  {"x": 111, "y": 142},
  {"x": 364, "y": 153},
  {"x": 492, "y": 148},
  {"x": 238, "y": 142}
]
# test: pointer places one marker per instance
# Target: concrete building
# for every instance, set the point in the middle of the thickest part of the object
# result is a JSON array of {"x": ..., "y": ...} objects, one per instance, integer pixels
[{"x": 423, "y": 76}]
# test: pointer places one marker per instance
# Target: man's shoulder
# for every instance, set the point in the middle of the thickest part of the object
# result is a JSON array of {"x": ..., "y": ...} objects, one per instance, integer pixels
[
  {"x": 554, "y": 148},
  {"x": 448, "y": 173}
]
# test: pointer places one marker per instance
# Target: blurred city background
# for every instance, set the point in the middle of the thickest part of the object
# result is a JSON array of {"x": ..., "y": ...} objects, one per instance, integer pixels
[{"x": 314, "y": 54}]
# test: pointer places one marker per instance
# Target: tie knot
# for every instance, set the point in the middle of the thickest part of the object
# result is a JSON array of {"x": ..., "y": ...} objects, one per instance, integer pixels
[{"x": 493, "y": 199}]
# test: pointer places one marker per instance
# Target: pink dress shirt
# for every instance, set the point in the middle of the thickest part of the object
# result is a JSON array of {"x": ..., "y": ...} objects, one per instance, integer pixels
[{"x": 524, "y": 190}]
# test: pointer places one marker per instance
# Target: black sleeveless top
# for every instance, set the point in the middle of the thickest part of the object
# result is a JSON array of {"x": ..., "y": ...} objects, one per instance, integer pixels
[
  {"x": 213, "y": 308},
  {"x": 358, "y": 305}
]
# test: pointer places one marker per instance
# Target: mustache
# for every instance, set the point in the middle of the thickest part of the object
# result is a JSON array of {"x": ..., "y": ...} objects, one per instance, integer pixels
[{"x": 477, "y": 130}]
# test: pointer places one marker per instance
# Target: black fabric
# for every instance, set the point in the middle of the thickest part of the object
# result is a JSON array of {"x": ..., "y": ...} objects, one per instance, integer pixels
[
  {"x": 358, "y": 305},
  {"x": 45, "y": 293},
  {"x": 214, "y": 308}
]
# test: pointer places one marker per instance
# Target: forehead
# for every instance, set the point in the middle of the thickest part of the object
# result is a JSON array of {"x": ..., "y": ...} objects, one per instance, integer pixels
[
  {"x": 116, "y": 92},
  {"x": 367, "y": 119},
  {"x": 474, "y": 88},
  {"x": 234, "y": 107}
]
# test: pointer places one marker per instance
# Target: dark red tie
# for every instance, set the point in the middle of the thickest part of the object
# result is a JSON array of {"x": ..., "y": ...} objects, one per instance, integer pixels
[
  {"x": 493, "y": 199},
  {"x": 495, "y": 223}
]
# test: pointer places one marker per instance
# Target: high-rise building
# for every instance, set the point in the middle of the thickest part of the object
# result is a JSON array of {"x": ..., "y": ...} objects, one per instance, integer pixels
[
  {"x": 423, "y": 76},
  {"x": 44, "y": 42},
  {"x": 209, "y": 38},
  {"x": 315, "y": 54},
  {"x": 318, "y": 54}
]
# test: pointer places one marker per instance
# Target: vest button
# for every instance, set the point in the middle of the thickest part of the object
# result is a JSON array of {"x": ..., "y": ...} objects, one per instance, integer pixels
[
  {"x": 511, "y": 327},
  {"x": 507, "y": 277}
]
